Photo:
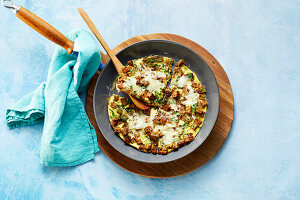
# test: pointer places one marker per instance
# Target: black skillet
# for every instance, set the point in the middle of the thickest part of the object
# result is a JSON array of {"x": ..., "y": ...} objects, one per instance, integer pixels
[{"x": 104, "y": 88}]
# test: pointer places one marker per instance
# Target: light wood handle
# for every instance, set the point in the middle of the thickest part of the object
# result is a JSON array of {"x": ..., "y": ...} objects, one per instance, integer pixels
[
  {"x": 118, "y": 65},
  {"x": 93, "y": 28},
  {"x": 45, "y": 29}
]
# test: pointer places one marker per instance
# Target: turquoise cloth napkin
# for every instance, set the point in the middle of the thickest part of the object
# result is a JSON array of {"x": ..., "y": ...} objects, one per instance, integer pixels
[{"x": 68, "y": 137}]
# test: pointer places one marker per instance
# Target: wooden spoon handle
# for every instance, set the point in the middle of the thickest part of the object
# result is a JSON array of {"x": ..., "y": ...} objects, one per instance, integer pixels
[
  {"x": 93, "y": 28},
  {"x": 45, "y": 29},
  {"x": 118, "y": 65}
]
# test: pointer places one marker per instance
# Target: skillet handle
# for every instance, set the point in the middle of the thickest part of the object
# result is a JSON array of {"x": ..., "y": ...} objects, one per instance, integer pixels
[
  {"x": 45, "y": 29},
  {"x": 40, "y": 25}
]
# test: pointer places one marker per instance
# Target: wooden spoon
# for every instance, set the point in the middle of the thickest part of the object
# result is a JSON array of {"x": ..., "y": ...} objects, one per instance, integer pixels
[{"x": 118, "y": 65}]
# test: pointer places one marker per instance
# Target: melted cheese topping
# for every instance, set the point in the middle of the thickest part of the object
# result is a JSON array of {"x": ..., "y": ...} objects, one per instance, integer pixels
[
  {"x": 155, "y": 85},
  {"x": 169, "y": 131},
  {"x": 192, "y": 97},
  {"x": 137, "y": 121},
  {"x": 147, "y": 74},
  {"x": 138, "y": 62},
  {"x": 131, "y": 82},
  {"x": 183, "y": 81},
  {"x": 160, "y": 74}
]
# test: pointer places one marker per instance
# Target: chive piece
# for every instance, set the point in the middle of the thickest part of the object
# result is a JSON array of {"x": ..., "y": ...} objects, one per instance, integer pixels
[
  {"x": 158, "y": 101},
  {"x": 185, "y": 123},
  {"x": 194, "y": 107},
  {"x": 164, "y": 67},
  {"x": 112, "y": 113},
  {"x": 120, "y": 106},
  {"x": 123, "y": 118}
]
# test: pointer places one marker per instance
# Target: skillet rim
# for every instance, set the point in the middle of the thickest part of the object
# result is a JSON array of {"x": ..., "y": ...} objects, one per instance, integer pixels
[{"x": 190, "y": 150}]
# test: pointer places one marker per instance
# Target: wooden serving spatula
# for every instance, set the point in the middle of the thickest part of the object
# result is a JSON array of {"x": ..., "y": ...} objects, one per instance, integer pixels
[{"x": 118, "y": 65}]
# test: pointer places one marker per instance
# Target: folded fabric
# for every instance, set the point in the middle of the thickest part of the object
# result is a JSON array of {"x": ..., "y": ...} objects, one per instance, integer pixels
[{"x": 68, "y": 137}]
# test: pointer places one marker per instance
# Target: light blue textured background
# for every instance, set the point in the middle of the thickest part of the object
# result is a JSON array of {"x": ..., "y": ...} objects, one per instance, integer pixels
[{"x": 257, "y": 43}]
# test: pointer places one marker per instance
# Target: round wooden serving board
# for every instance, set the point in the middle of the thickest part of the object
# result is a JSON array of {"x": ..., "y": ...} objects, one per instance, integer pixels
[{"x": 201, "y": 155}]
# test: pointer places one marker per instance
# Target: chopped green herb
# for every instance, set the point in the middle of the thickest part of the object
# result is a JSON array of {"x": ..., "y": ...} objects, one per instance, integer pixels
[
  {"x": 158, "y": 95},
  {"x": 175, "y": 140},
  {"x": 201, "y": 89},
  {"x": 158, "y": 101},
  {"x": 132, "y": 71},
  {"x": 131, "y": 87},
  {"x": 175, "y": 118},
  {"x": 153, "y": 65},
  {"x": 190, "y": 76},
  {"x": 120, "y": 106},
  {"x": 194, "y": 107},
  {"x": 149, "y": 60},
  {"x": 163, "y": 67},
  {"x": 112, "y": 113},
  {"x": 185, "y": 123},
  {"x": 123, "y": 118},
  {"x": 128, "y": 109}
]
